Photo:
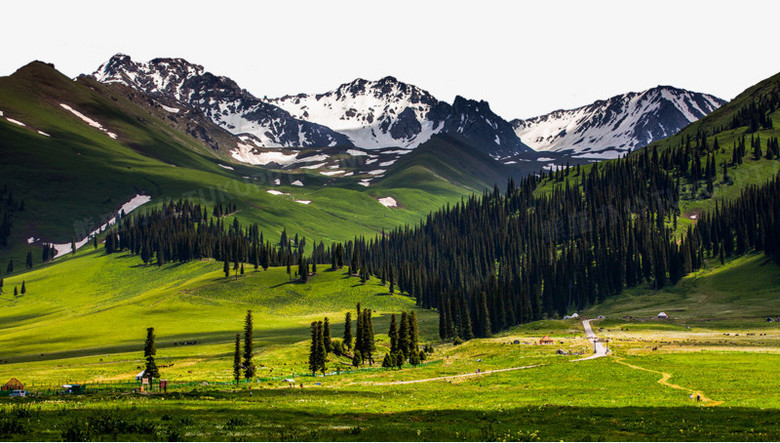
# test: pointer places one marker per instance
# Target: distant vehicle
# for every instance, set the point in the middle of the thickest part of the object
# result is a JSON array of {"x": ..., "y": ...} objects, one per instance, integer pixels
[{"x": 18, "y": 393}]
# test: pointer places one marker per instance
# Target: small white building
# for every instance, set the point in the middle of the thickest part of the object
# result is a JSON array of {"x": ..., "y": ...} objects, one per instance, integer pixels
[{"x": 663, "y": 316}]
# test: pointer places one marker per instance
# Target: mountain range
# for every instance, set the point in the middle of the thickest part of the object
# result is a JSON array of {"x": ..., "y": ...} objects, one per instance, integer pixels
[
  {"x": 381, "y": 114},
  {"x": 168, "y": 128}
]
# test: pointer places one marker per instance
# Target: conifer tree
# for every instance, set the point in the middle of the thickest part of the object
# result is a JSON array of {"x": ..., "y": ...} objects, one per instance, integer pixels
[
  {"x": 348, "y": 330},
  {"x": 326, "y": 336},
  {"x": 403, "y": 335},
  {"x": 149, "y": 352},
  {"x": 387, "y": 362},
  {"x": 393, "y": 334},
  {"x": 359, "y": 330},
  {"x": 321, "y": 352},
  {"x": 24, "y": 289},
  {"x": 29, "y": 260},
  {"x": 414, "y": 333},
  {"x": 313, "y": 362},
  {"x": 226, "y": 268},
  {"x": 368, "y": 346},
  {"x": 247, "y": 364},
  {"x": 303, "y": 269},
  {"x": 237, "y": 360}
]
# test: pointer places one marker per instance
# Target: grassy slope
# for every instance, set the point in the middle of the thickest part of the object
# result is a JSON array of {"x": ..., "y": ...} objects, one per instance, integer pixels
[
  {"x": 72, "y": 308},
  {"x": 742, "y": 290}
]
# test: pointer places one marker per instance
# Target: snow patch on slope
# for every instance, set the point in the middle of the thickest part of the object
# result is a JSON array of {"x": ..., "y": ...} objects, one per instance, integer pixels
[
  {"x": 388, "y": 202},
  {"x": 255, "y": 156},
  {"x": 88, "y": 120},
  {"x": 134, "y": 203}
]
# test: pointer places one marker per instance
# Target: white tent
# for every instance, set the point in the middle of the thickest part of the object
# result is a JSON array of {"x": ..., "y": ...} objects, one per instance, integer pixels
[
  {"x": 662, "y": 315},
  {"x": 575, "y": 315},
  {"x": 140, "y": 375}
]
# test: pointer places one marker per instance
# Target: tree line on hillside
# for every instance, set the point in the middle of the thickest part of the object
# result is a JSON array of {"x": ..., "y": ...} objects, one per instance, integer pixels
[
  {"x": 183, "y": 231},
  {"x": 490, "y": 263},
  {"x": 757, "y": 114}
]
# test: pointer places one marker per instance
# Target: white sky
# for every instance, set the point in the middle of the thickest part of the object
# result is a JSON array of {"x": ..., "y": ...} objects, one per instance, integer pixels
[{"x": 525, "y": 58}]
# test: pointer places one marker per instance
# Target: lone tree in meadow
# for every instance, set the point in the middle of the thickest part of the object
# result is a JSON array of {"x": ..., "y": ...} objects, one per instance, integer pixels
[
  {"x": 249, "y": 367},
  {"x": 149, "y": 352},
  {"x": 303, "y": 269},
  {"x": 24, "y": 288},
  {"x": 348, "y": 330},
  {"x": 237, "y": 360}
]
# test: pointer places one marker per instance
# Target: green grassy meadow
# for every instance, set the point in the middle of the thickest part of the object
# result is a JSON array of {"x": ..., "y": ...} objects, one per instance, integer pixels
[{"x": 80, "y": 323}]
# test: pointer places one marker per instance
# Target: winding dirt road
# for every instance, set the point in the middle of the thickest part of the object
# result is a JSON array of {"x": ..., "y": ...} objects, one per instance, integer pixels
[{"x": 600, "y": 349}]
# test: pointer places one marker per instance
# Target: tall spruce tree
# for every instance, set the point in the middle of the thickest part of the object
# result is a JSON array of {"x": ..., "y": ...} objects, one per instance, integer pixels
[
  {"x": 392, "y": 333},
  {"x": 237, "y": 360},
  {"x": 247, "y": 364},
  {"x": 326, "y": 336},
  {"x": 403, "y": 335},
  {"x": 313, "y": 348},
  {"x": 348, "y": 330},
  {"x": 321, "y": 352},
  {"x": 149, "y": 352}
]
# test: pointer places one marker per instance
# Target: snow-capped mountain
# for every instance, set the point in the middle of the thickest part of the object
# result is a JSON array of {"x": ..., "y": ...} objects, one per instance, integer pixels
[
  {"x": 220, "y": 99},
  {"x": 608, "y": 128},
  {"x": 373, "y": 114},
  {"x": 366, "y": 114},
  {"x": 390, "y": 113}
]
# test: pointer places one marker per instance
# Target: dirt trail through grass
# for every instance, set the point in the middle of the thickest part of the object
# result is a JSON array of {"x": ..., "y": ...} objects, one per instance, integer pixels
[
  {"x": 664, "y": 380},
  {"x": 469, "y": 374}
]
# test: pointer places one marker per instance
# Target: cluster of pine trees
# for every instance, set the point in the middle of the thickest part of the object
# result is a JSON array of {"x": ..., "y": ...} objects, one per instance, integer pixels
[
  {"x": 362, "y": 350},
  {"x": 243, "y": 362},
  {"x": 750, "y": 222},
  {"x": 757, "y": 114},
  {"x": 183, "y": 231},
  {"x": 404, "y": 342},
  {"x": 318, "y": 352}
]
